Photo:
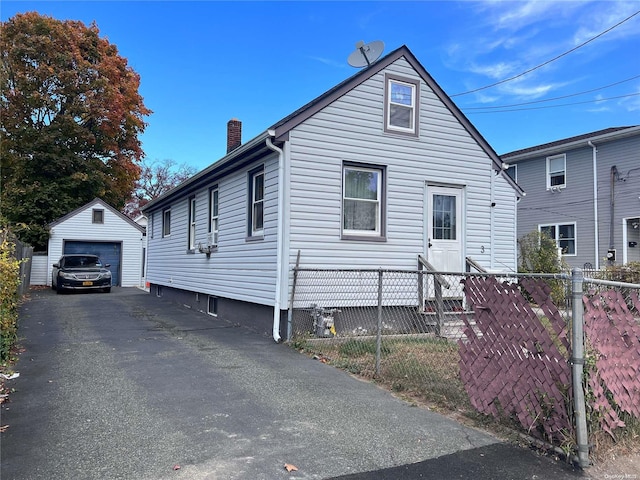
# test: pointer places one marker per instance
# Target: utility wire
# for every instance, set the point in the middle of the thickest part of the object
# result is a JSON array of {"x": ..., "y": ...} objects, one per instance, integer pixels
[
  {"x": 548, "y": 61},
  {"x": 550, "y": 99},
  {"x": 559, "y": 105}
]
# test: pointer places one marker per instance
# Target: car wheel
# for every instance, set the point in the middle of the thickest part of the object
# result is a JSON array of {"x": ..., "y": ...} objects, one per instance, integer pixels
[
  {"x": 53, "y": 285},
  {"x": 59, "y": 291},
  {"x": 106, "y": 290}
]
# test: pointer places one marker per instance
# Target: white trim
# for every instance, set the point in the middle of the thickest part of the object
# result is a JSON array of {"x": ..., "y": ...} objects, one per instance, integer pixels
[
  {"x": 377, "y": 232},
  {"x": 557, "y": 226},
  {"x": 549, "y": 159},
  {"x": 412, "y": 107}
]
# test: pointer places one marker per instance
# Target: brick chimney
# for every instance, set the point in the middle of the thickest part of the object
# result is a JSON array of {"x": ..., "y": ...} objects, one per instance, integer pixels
[{"x": 234, "y": 134}]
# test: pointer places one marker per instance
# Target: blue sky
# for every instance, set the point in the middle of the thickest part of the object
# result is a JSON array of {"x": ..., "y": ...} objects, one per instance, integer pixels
[{"x": 205, "y": 62}]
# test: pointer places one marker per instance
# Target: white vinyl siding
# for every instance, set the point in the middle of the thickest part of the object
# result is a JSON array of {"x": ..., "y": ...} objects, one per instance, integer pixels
[
  {"x": 238, "y": 269},
  {"x": 350, "y": 130}
]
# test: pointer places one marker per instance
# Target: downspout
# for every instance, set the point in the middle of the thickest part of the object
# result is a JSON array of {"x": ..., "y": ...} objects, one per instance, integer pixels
[
  {"x": 279, "y": 236},
  {"x": 612, "y": 206},
  {"x": 491, "y": 208},
  {"x": 595, "y": 203}
]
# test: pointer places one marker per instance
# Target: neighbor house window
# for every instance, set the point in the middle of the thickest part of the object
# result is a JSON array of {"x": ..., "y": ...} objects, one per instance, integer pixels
[
  {"x": 401, "y": 105},
  {"x": 557, "y": 171},
  {"x": 97, "y": 215},
  {"x": 166, "y": 222},
  {"x": 256, "y": 203},
  {"x": 192, "y": 223},
  {"x": 512, "y": 171},
  {"x": 213, "y": 216},
  {"x": 564, "y": 235},
  {"x": 362, "y": 200}
]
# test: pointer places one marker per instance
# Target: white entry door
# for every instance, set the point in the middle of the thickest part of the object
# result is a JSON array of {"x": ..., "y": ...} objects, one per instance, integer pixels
[{"x": 444, "y": 228}]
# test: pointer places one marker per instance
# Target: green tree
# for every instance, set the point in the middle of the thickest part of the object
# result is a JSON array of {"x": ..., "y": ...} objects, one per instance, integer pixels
[{"x": 71, "y": 117}]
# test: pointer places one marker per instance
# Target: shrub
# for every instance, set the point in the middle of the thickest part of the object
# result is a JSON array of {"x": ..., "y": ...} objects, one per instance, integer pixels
[
  {"x": 9, "y": 297},
  {"x": 539, "y": 254}
]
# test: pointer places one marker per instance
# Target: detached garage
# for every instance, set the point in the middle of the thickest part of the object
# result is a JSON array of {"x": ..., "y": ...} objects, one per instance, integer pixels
[{"x": 99, "y": 229}]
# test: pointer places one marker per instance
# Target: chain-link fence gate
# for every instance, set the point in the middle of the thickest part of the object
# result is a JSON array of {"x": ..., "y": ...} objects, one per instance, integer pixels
[{"x": 504, "y": 345}]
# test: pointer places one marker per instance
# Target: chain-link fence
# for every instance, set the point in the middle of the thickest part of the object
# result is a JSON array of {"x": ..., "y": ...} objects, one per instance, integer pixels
[{"x": 504, "y": 345}]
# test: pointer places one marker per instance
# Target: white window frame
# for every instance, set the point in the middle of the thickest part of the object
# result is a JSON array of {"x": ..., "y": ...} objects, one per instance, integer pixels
[
  {"x": 551, "y": 173},
  {"x": 254, "y": 229},
  {"x": 413, "y": 107},
  {"x": 166, "y": 222},
  {"x": 214, "y": 215},
  {"x": 378, "y": 232},
  {"x": 192, "y": 223},
  {"x": 557, "y": 238}
]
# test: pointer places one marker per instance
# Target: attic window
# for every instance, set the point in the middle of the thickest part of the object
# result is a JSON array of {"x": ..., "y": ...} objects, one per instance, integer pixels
[
  {"x": 401, "y": 105},
  {"x": 97, "y": 215}
]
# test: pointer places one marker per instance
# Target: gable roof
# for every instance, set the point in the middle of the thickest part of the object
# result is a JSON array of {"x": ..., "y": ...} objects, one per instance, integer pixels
[
  {"x": 578, "y": 140},
  {"x": 97, "y": 201},
  {"x": 279, "y": 131}
]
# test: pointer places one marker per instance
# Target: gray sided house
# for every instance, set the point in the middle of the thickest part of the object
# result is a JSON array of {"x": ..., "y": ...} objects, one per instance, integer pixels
[
  {"x": 583, "y": 191},
  {"x": 376, "y": 171}
]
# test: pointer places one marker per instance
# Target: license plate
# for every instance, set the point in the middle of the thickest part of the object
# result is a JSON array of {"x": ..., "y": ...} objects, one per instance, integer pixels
[{"x": 86, "y": 284}]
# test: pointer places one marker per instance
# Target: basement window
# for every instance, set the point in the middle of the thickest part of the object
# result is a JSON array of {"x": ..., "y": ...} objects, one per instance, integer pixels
[{"x": 212, "y": 306}]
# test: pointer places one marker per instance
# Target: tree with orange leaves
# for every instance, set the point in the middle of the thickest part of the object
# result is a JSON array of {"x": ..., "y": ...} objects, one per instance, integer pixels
[{"x": 71, "y": 115}]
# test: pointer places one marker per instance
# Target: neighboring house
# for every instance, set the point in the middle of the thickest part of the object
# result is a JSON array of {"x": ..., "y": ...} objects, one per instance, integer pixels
[
  {"x": 584, "y": 192},
  {"x": 100, "y": 229},
  {"x": 379, "y": 169}
]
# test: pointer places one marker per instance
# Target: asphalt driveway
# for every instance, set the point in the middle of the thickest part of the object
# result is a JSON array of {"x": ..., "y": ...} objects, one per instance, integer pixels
[{"x": 126, "y": 386}]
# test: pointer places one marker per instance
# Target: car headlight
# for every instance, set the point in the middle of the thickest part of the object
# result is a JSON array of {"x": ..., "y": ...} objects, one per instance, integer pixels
[
  {"x": 105, "y": 275},
  {"x": 67, "y": 275}
]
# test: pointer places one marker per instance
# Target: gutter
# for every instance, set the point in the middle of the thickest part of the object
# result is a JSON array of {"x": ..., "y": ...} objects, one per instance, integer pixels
[
  {"x": 595, "y": 202},
  {"x": 627, "y": 132},
  {"x": 279, "y": 235}
]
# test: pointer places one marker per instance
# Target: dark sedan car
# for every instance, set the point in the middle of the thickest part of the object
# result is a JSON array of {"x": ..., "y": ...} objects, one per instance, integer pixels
[{"x": 80, "y": 272}]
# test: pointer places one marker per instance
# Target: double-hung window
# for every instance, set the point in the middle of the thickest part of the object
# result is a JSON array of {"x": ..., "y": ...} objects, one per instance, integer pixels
[
  {"x": 556, "y": 171},
  {"x": 192, "y": 223},
  {"x": 401, "y": 105},
  {"x": 564, "y": 235},
  {"x": 362, "y": 201},
  {"x": 213, "y": 216},
  {"x": 256, "y": 203},
  {"x": 166, "y": 222}
]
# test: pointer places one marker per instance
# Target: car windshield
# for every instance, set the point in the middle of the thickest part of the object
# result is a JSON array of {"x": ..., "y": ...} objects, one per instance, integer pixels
[{"x": 82, "y": 262}]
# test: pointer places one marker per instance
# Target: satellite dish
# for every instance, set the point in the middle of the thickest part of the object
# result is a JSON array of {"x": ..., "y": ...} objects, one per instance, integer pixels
[{"x": 365, "y": 53}]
